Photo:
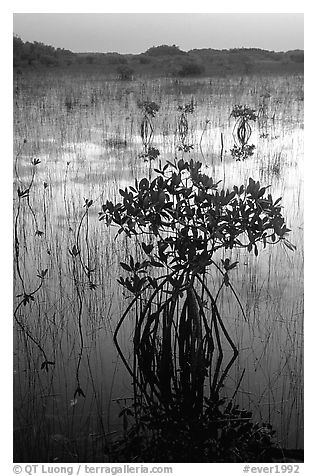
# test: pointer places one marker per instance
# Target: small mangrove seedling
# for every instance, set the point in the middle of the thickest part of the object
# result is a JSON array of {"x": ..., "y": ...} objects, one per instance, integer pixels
[
  {"x": 179, "y": 333},
  {"x": 26, "y": 297},
  {"x": 149, "y": 110},
  {"x": 242, "y": 132},
  {"x": 182, "y": 126}
]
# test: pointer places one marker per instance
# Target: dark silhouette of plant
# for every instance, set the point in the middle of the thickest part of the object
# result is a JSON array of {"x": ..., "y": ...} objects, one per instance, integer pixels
[
  {"x": 125, "y": 72},
  {"x": 165, "y": 50},
  {"x": 32, "y": 53},
  {"x": 191, "y": 63},
  {"x": 243, "y": 152},
  {"x": 189, "y": 219},
  {"x": 222, "y": 433},
  {"x": 179, "y": 333},
  {"x": 190, "y": 68},
  {"x": 242, "y": 132}
]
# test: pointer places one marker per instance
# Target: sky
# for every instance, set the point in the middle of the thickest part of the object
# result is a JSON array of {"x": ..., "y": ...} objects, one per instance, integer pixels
[{"x": 136, "y": 32}]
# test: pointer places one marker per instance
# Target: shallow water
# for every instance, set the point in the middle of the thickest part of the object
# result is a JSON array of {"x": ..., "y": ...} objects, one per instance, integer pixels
[{"x": 91, "y": 150}]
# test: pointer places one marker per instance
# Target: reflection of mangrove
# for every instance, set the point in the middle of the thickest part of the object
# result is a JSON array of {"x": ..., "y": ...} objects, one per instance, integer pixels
[
  {"x": 179, "y": 338},
  {"x": 242, "y": 132},
  {"x": 27, "y": 297},
  {"x": 149, "y": 109},
  {"x": 81, "y": 268},
  {"x": 182, "y": 126}
]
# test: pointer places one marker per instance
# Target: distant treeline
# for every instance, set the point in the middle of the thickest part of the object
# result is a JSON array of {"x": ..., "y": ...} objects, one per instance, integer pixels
[{"x": 158, "y": 61}]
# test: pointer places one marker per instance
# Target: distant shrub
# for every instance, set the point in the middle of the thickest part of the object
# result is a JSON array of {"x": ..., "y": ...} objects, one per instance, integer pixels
[
  {"x": 16, "y": 62},
  {"x": 32, "y": 53},
  {"x": 144, "y": 59},
  {"x": 115, "y": 58},
  {"x": 48, "y": 60},
  {"x": 90, "y": 59},
  {"x": 190, "y": 69},
  {"x": 297, "y": 56},
  {"x": 165, "y": 50},
  {"x": 125, "y": 72}
]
